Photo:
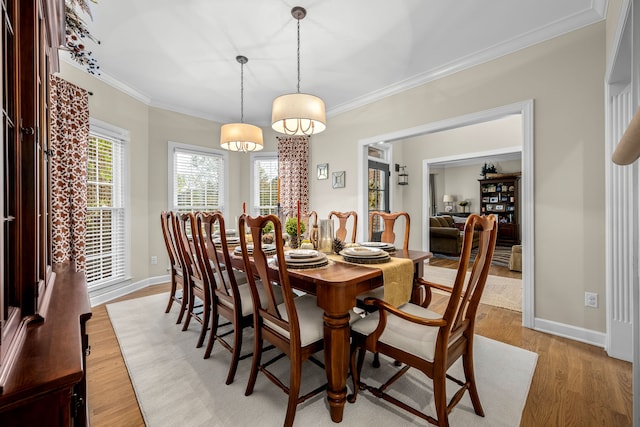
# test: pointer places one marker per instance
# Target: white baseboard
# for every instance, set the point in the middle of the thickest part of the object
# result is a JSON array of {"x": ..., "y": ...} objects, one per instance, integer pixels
[
  {"x": 572, "y": 332},
  {"x": 125, "y": 290}
]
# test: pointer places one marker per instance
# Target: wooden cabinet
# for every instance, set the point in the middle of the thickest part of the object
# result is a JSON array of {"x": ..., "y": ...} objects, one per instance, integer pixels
[
  {"x": 46, "y": 384},
  {"x": 43, "y": 310},
  {"x": 500, "y": 196}
]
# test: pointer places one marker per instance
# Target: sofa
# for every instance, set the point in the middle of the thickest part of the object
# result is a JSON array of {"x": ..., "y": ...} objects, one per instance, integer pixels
[{"x": 446, "y": 235}]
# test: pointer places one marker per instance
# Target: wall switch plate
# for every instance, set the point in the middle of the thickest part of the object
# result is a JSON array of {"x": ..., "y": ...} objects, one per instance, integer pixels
[
  {"x": 591, "y": 299},
  {"x": 154, "y": 260}
]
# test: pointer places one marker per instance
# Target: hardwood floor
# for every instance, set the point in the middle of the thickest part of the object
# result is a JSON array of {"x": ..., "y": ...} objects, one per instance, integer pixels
[
  {"x": 495, "y": 270},
  {"x": 575, "y": 384}
]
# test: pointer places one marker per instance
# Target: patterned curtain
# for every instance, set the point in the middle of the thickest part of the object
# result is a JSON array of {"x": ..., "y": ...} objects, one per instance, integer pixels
[
  {"x": 69, "y": 139},
  {"x": 293, "y": 171}
]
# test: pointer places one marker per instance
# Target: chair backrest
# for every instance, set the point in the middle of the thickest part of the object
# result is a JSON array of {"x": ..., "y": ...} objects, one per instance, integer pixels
[
  {"x": 170, "y": 242},
  {"x": 216, "y": 259},
  {"x": 269, "y": 277},
  {"x": 461, "y": 310},
  {"x": 343, "y": 218},
  {"x": 389, "y": 220},
  {"x": 188, "y": 248}
]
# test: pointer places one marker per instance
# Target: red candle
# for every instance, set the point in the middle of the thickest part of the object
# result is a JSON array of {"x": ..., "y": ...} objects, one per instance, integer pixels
[
  {"x": 244, "y": 207},
  {"x": 298, "y": 217}
]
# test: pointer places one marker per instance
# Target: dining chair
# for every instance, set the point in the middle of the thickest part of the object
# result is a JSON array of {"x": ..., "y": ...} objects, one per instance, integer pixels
[
  {"x": 295, "y": 326},
  {"x": 389, "y": 220},
  {"x": 343, "y": 218},
  {"x": 428, "y": 341},
  {"x": 176, "y": 270},
  {"x": 230, "y": 291},
  {"x": 198, "y": 284}
]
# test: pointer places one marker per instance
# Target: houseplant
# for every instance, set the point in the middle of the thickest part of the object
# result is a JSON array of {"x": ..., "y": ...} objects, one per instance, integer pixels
[{"x": 291, "y": 227}]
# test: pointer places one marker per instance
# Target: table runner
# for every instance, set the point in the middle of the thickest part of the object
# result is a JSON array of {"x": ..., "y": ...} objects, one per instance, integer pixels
[{"x": 397, "y": 275}]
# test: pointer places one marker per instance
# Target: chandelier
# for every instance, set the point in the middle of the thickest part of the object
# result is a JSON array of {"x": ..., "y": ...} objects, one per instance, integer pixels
[
  {"x": 241, "y": 136},
  {"x": 298, "y": 113}
]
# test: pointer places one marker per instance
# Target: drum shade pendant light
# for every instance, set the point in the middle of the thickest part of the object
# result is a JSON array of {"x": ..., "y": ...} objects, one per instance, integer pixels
[
  {"x": 241, "y": 136},
  {"x": 298, "y": 113}
]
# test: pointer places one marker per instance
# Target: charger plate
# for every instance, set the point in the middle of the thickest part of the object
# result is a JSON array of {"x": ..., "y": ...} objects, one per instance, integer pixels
[
  {"x": 268, "y": 249},
  {"x": 363, "y": 252}
]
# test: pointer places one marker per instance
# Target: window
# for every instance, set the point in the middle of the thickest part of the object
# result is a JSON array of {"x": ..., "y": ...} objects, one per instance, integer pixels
[
  {"x": 197, "y": 178},
  {"x": 264, "y": 182},
  {"x": 107, "y": 259}
]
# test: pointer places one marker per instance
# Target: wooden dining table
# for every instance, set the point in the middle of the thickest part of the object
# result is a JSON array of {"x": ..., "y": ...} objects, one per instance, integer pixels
[{"x": 336, "y": 287}]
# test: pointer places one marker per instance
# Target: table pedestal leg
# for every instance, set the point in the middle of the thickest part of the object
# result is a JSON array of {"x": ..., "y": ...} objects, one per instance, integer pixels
[{"x": 336, "y": 354}]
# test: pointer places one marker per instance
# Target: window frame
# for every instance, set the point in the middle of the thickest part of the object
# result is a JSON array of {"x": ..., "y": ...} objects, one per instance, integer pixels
[
  {"x": 172, "y": 147},
  {"x": 254, "y": 157},
  {"x": 108, "y": 131}
]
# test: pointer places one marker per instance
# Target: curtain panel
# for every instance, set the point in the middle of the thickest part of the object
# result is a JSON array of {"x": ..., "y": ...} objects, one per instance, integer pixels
[
  {"x": 293, "y": 172},
  {"x": 69, "y": 118}
]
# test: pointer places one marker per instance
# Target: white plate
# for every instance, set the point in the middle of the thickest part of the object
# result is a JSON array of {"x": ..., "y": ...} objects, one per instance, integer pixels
[
  {"x": 375, "y": 244},
  {"x": 302, "y": 253},
  {"x": 314, "y": 260},
  {"x": 363, "y": 252}
]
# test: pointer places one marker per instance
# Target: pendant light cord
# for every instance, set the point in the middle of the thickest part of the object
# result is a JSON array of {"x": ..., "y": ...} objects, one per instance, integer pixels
[
  {"x": 298, "y": 55},
  {"x": 241, "y": 92}
]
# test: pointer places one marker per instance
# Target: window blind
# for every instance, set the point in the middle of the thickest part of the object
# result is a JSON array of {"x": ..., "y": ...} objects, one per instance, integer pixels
[
  {"x": 106, "y": 217},
  {"x": 265, "y": 185},
  {"x": 198, "y": 181}
]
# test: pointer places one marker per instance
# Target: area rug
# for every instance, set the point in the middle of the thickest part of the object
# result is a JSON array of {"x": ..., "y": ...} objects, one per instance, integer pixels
[
  {"x": 176, "y": 386},
  {"x": 501, "y": 256},
  {"x": 499, "y": 291}
]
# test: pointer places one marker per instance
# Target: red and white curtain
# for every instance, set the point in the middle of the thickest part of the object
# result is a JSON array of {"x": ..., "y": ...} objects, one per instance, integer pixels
[
  {"x": 293, "y": 172},
  {"x": 69, "y": 140}
]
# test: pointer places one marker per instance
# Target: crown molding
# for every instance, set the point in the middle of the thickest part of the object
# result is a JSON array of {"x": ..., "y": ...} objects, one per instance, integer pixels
[
  {"x": 107, "y": 79},
  {"x": 554, "y": 29}
]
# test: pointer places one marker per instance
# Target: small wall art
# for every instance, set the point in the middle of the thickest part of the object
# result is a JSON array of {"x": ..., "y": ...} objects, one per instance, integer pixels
[
  {"x": 339, "y": 179},
  {"x": 323, "y": 171}
]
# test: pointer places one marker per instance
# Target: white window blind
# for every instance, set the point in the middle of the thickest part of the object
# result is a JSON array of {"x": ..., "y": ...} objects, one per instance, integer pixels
[
  {"x": 106, "y": 216},
  {"x": 265, "y": 184},
  {"x": 197, "y": 180}
]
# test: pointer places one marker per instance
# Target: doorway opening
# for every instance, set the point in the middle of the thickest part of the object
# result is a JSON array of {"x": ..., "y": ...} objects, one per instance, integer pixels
[{"x": 525, "y": 110}]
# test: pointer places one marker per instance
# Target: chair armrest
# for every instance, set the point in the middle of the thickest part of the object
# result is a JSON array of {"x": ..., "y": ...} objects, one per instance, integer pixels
[
  {"x": 421, "y": 281},
  {"x": 384, "y": 306}
]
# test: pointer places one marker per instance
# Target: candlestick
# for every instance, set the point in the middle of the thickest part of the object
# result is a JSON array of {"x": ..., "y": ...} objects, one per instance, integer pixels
[
  {"x": 298, "y": 218},
  {"x": 244, "y": 207}
]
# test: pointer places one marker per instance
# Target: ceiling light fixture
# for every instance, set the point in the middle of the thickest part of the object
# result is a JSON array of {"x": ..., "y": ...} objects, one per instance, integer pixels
[
  {"x": 241, "y": 136},
  {"x": 298, "y": 113}
]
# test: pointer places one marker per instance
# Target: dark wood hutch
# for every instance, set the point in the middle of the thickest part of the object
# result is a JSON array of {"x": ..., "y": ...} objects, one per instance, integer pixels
[
  {"x": 500, "y": 196},
  {"x": 43, "y": 308}
]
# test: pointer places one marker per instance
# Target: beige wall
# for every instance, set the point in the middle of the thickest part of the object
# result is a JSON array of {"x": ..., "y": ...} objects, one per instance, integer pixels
[{"x": 564, "y": 76}]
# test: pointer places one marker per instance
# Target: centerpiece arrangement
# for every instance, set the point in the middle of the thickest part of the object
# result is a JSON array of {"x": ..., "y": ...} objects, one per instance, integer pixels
[{"x": 295, "y": 229}]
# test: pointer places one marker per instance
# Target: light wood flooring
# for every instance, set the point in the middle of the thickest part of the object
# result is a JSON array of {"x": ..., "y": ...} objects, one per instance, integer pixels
[{"x": 575, "y": 384}]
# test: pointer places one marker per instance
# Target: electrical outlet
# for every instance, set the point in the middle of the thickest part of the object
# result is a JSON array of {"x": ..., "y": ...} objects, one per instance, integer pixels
[
  {"x": 154, "y": 260},
  {"x": 591, "y": 299}
]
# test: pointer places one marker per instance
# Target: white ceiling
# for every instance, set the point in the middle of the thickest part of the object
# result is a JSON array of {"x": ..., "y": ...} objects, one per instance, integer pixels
[{"x": 180, "y": 55}]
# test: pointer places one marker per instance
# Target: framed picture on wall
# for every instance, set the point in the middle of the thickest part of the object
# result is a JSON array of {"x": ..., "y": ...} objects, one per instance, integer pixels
[
  {"x": 338, "y": 179},
  {"x": 323, "y": 171}
]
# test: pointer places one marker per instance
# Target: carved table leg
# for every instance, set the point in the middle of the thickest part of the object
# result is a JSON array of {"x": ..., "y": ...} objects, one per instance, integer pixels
[{"x": 336, "y": 353}]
